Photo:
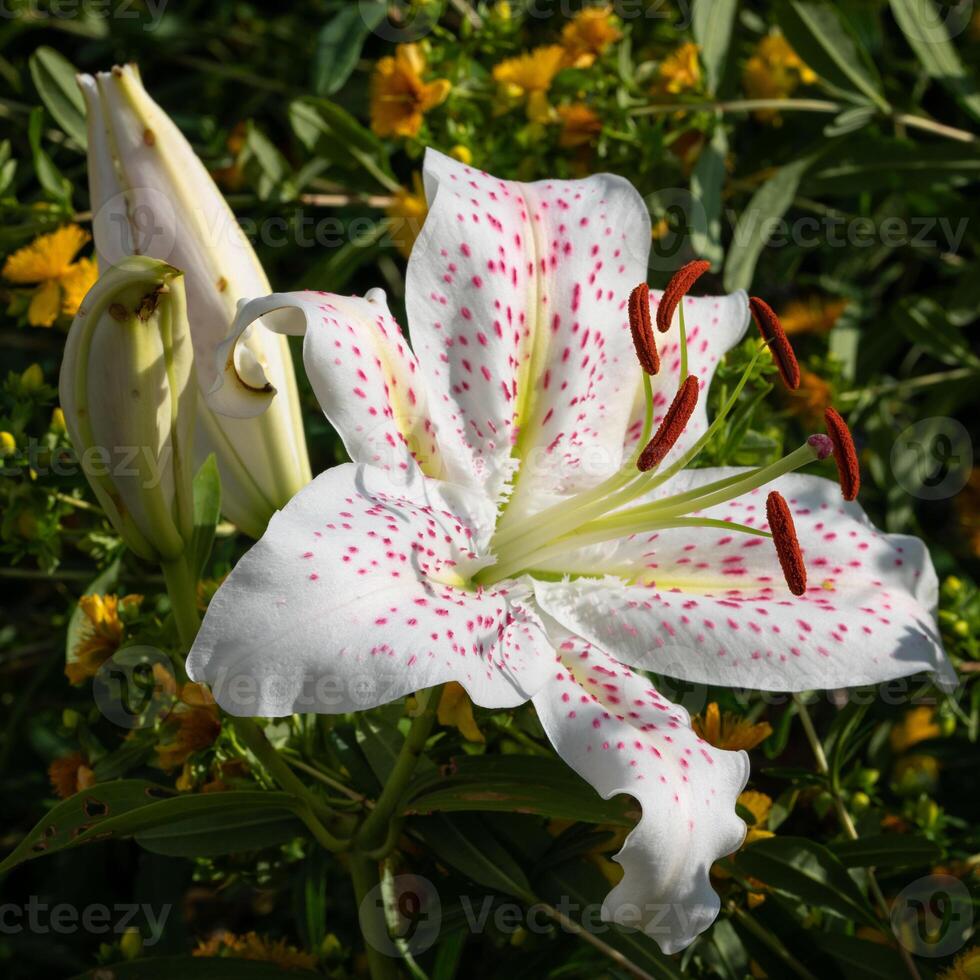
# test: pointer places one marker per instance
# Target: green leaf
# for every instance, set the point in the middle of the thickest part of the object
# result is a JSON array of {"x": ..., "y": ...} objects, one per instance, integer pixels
[
  {"x": 54, "y": 183},
  {"x": 755, "y": 225},
  {"x": 712, "y": 27},
  {"x": 54, "y": 79},
  {"x": 271, "y": 172},
  {"x": 521, "y": 784},
  {"x": 192, "y": 968},
  {"x": 207, "y": 511},
  {"x": 925, "y": 323},
  {"x": 861, "y": 960},
  {"x": 850, "y": 121},
  {"x": 339, "y": 44},
  {"x": 102, "y": 583},
  {"x": 131, "y": 807},
  {"x": 332, "y": 132},
  {"x": 926, "y": 30},
  {"x": 887, "y": 851},
  {"x": 707, "y": 182},
  {"x": 819, "y": 36},
  {"x": 259, "y": 825},
  {"x": 466, "y": 843},
  {"x": 806, "y": 871}
]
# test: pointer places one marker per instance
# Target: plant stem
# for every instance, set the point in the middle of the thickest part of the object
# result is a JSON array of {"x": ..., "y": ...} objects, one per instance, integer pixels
[
  {"x": 803, "y": 105},
  {"x": 847, "y": 824},
  {"x": 366, "y": 877},
  {"x": 182, "y": 590},
  {"x": 374, "y": 829}
]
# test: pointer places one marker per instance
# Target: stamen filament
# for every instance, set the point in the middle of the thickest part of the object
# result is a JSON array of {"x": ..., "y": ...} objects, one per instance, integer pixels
[{"x": 497, "y": 573}]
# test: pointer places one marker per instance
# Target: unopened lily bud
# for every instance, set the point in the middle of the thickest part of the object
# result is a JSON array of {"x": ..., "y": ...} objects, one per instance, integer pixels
[
  {"x": 151, "y": 195},
  {"x": 128, "y": 394}
]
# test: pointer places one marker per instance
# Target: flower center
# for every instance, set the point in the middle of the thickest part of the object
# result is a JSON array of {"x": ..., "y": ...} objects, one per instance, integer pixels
[{"x": 623, "y": 505}]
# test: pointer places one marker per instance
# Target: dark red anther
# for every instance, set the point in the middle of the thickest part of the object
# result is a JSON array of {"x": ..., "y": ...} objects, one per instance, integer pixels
[
  {"x": 845, "y": 455},
  {"x": 787, "y": 544},
  {"x": 674, "y": 423},
  {"x": 774, "y": 335},
  {"x": 681, "y": 282},
  {"x": 644, "y": 339}
]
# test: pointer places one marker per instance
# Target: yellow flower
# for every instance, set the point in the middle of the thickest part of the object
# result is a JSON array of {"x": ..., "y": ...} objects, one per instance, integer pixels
[
  {"x": 8, "y": 445},
  {"x": 916, "y": 726},
  {"x": 101, "y": 634},
  {"x": 461, "y": 153},
  {"x": 193, "y": 725},
  {"x": 773, "y": 72},
  {"x": 729, "y": 731},
  {"x": 816, "y": 314},
  {"x": 679, "y": 72},
  {"x": 48, "y": 263},
  {"x": 252, "y": 946},
  {"x": 588, "y": 35},
  {"x": 529, "y": 76},
  {"x": 399, "y": 97},
  {"x": 407, "y": 211},
  {"x": 965, "y": 967},
  {"x": 70, "y": 774},
  {"x": 760, "y": 806},
  {"x": 456, "y": 711}
]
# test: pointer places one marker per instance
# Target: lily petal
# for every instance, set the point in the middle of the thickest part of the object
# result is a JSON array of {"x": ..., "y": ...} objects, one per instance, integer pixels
[
  {"x": 617, "y": 732},
  {"x": 711, "y": 607},
  {"x": 364, "y": 374},
  {"x": 714, "y": 325},
  {"x": 516, "y": 297},
  {"x": 356, "y": 596}
]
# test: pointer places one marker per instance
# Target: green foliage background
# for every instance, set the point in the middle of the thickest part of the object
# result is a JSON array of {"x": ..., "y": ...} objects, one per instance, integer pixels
[{"x": 278, "y": 95}]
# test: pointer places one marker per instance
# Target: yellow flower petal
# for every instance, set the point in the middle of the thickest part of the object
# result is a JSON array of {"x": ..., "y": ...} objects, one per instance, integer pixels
[
  {"x": 76, "y": 283},
  {"x": 532, "y": 71},
  {"x": 47, "y": 257},
  {"x": 456, "y": 711},
  {"x": 45, "y": 304}
]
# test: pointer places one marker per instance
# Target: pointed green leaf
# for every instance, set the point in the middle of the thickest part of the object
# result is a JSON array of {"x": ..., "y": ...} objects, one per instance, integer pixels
[
  {"x": 207, "y": 512},
  {"x": 340, "y": 42},
  {"x": 712, "y": 27},
  {"x": 54, "y": 79},
  {"x": 819, "y": 36},
  {"x": 887, "y": 851}
]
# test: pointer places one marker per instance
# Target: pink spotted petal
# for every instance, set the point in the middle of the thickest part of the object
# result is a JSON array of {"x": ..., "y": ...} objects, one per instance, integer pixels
[
  {"x": 711, "y": 606},
  {"x": 618, "y": 733},
  {"x": 516, "y": 297},
  {"x": 715, "y": 324},
  {"x": 354, "y": 598}
]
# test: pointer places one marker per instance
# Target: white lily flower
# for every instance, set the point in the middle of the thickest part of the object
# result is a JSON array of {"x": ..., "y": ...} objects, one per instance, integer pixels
[
  {"x": 152, "y": 195},
  {"x": 127, "y": 391},
  {"x": 494, "y": 528}
]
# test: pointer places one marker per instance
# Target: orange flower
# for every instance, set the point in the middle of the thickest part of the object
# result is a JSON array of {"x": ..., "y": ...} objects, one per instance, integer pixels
[
  {"x": 809, "y": 401},
  {"x": 580, "y": 125},
  {"x": 101, "y": 636},
  {"x": 588, "y": 35},
  {"x": 456, "y": 711},
  {"x": 407, "y": 211},
  {"x": 252, "y": 946},
  {"x": 70, "y": 774},
  {"x": 399, "y": 97},
  {"x": 729, "y": 731},
  {"x": 815, "y": 314},
  {"x": 193, "y": 725}
]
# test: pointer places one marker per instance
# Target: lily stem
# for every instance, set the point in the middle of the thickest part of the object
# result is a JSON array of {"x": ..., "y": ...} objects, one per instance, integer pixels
[
  {"x": 366, "y": 878},
  {"x": 374, "y": 830},
  {"x": 182, "y": 590},
  {"x": 847, "y": 825}
]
